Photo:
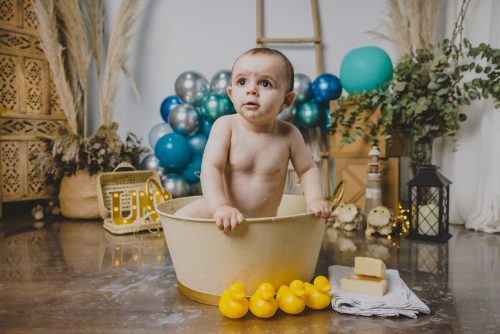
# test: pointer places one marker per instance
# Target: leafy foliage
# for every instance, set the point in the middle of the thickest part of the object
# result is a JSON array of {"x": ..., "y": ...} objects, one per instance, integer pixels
[{"x": 423, "y": 100}]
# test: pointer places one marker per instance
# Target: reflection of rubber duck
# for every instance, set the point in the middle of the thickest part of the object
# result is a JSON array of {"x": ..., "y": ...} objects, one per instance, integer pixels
[
  {"x": 318, "y": 296},
  {"x": 262, "y": 303},
  {"x": 233, "y": 303},
  {"x": 291, "y": 299}
]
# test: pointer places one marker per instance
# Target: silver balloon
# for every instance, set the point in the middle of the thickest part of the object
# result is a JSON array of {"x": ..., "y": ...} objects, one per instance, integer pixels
[
  {"x": 184, "y": 119},
  {"x": 220, "y": 81},
  {"x": 158, "y": 131},
  {"x": 288, "y": 115},
  {"x": 191, "y": 86},
  {"x": 150, "y": 162},
  {"x": 177, "y": 186},
  {"x": 302, "y": 87}
]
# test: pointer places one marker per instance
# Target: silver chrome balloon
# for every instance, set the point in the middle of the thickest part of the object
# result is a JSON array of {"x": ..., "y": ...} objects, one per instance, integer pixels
[
  {"x": 302, "y": 87},
  {"x": 220, "y": 81},
  {"x": 191, "y": 86},
  {"x": 158, "y": 131},
  {"x": 150, "y": 162},
  {"x": 184, "y": 119},
  {"x": 176, "y": 186}
]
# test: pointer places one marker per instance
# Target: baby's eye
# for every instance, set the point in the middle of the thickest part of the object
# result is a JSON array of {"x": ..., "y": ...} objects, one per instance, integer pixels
[
  {"x": 266, "y": 84},
  {"x": 241, "y": 82}
]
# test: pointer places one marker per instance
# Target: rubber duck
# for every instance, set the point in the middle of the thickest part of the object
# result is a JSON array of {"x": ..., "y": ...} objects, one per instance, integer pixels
[
  {"x": 318, "y": 294},
  {"x": 233, "y": 303},
  {"x": 262, "y": 303},
  {"x": 291, "y": 299}
]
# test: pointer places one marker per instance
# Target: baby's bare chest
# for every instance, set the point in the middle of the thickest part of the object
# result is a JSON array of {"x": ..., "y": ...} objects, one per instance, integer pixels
[{"x": 267, "y": 155}]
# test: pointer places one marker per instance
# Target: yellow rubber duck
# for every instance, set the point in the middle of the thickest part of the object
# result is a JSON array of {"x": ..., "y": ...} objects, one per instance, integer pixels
[
  {"x": 291, "y": 299},
  {"x": 318, "y": 294},
  {"x": 262, "y": 303},
  {"x": 233, "y": 303}
]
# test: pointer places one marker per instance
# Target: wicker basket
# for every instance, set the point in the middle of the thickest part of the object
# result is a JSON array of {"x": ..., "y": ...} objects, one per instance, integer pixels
[
  {"x": 78, "y": 196},
  {"x": 125, "y": 179}
]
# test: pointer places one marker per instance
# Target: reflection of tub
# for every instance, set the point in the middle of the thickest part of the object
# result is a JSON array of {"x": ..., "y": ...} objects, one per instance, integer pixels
[{"x": 276, "y": 250}]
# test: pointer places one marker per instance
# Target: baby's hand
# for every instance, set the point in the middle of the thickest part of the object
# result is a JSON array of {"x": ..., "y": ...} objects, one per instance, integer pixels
[
  {"x": 228, "y": 218},
  {"x": 319, "y": 207}
]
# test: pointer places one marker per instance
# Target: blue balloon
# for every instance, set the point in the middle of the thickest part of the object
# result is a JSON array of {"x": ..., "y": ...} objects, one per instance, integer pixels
[
  {"x": 364, "y": 69},
  {"x": 172, "y": 150},
  {"x": 168, "y": 104},
  {"x": 158, "y": 131},
  {"x": 192, "y": 171},
  {"x": 197, "y": 143},
  {"x": 325, "y": 119},
  {"x": 326, "y": 87},
  {"x": 205, "y": 127}
]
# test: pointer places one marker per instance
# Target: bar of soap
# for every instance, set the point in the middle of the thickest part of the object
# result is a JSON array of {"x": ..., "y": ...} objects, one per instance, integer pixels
[
  {"x": 366, "y": 285},
  {"x": 367, "y": 266}
]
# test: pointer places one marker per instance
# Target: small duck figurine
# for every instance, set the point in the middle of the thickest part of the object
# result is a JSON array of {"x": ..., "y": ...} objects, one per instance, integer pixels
[
  {"x": 262, "y": 303},
  {"x": 233, "y": 303},
  {"x": 318, "y": 294},
  {"x": 291, "y": 299}
]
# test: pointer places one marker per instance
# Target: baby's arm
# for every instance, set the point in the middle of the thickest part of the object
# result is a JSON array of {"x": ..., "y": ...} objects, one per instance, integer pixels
[
  {"x": 308, "y": 172},
  {"x": 215, "y": 156}
]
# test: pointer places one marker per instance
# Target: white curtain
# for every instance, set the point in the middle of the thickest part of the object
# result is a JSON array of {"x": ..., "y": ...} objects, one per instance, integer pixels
[{"x": 474, "y": 167}]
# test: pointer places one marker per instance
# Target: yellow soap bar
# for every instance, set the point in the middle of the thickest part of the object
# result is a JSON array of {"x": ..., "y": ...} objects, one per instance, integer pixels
[
  {"x": 367, "y": 266},
  {"x": 374, "y": 286}
]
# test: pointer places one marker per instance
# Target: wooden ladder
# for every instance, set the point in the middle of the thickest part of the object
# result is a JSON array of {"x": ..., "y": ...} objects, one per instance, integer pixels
[{"x": 318, "y": 51}]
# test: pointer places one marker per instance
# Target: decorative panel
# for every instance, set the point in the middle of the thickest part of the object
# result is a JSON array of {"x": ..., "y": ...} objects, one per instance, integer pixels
[
  {"x": 34, "y": 178},
  {"x": 13, "y": 162},
  {"x": 29, "y": 18},
  {"x": 8, "y": 12},
  {"x": 9, "y": 98},
  {"x": 35, "y": 91}
]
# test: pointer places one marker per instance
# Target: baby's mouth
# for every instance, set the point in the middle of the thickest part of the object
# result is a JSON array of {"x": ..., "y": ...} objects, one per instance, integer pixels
[{"x": 251, "y": 104}]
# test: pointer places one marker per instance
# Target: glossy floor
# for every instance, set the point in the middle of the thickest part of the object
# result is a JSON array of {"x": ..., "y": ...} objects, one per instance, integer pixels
[{"x": 74, "y": 277}]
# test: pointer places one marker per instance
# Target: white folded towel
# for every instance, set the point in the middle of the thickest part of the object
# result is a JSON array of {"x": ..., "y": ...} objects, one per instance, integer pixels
[{"x": 399, "y": 299}]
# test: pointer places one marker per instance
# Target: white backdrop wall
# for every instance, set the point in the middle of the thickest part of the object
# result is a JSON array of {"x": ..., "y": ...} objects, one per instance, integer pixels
[{"x": 173, "y": 36}]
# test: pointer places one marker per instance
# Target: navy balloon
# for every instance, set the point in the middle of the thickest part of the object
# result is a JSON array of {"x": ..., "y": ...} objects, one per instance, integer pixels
[
  {"x": 172, "y": 150},
  {"x": 326, "y": 87},
  {"x": 167, "y": 105},
  {"x": 197, "y": 143},
  {"x": 192, "y": 171}
]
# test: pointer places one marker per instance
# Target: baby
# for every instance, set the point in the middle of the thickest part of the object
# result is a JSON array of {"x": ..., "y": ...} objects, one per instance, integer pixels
[{"x": 246, "y": 157}]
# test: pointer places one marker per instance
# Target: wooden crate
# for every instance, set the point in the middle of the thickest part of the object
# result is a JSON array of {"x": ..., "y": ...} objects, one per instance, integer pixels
[
  {"x": 353, "y": 172},
  {"x": 351, "y": 165},
  {"x": 29, "y": 105}
]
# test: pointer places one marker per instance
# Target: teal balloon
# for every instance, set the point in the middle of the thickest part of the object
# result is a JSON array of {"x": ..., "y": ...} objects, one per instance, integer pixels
[
  {"x": 172, "y": 150},
  {"x": 325, "y": 119},
  {"x": 364, "y": 69},
  {"x": 309, "y": 114},
  {"x": 192, "y": 171},
  {"x": 215, "y": 105}
]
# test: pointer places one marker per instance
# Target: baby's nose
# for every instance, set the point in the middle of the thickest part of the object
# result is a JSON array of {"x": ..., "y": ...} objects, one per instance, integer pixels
[{"x": 252, "y": 89}]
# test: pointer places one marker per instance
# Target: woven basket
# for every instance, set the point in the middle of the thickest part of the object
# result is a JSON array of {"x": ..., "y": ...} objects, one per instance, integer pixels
[
  {"x": 123, "y": 178},
  {"x": 78, "y": 196}
]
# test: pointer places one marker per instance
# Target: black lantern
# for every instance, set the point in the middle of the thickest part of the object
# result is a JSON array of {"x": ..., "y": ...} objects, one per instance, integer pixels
[{"x": 429, "y": 205}]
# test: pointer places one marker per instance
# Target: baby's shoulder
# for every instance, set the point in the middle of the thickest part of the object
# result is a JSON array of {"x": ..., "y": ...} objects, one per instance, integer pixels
[
  {"x": 287, "y": 129},
  {"x": 225, "y": 122}
]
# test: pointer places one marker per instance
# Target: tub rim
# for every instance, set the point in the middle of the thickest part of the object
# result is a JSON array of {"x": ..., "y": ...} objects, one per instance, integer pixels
[{"x": 210, "y": 220}]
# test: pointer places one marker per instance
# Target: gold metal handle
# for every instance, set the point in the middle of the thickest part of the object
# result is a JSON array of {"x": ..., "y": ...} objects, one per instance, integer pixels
[
  {"x": 152, "y": 183},
  {"x": 337, "y": 194}
]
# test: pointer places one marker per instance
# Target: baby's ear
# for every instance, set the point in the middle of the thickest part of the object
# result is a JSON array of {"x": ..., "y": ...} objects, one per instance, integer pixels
[{"x": 289, "y": 99}]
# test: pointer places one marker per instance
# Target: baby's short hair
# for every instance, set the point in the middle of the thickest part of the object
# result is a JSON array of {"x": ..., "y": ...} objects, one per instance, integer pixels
[{"x": 289, "y": 72}]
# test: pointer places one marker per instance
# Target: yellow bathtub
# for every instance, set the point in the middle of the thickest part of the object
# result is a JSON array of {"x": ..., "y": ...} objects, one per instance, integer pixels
[{"x": 276, "y": 250}]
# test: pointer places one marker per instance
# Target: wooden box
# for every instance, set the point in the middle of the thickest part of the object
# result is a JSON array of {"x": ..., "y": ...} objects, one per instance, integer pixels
[
  {"x": 29, "y": 106},
  {"x": 395, "y": 147}
]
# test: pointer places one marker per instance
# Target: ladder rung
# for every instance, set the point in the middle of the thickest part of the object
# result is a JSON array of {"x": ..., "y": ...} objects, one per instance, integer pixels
[{"x": 289, "y": 40}]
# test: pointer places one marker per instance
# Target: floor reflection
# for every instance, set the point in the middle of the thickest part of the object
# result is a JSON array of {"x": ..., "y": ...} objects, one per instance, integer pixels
[{"x": 75, "y": 274}]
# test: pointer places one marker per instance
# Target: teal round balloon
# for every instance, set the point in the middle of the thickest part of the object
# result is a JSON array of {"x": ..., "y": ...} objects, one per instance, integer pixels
[
  {"x": 364, "y": 69},
  {"x": 309, "y": 114},
  {"x": 215, "y": 105}
]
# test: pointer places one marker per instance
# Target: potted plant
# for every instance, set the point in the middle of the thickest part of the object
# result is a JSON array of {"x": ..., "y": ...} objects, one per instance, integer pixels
[
  {"x": 422, "y": 102},
  {"x": 71, "y": 33}
]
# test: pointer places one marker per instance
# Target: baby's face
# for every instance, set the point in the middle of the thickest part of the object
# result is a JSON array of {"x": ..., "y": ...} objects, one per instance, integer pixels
[{"x": 259, "y": 88}]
